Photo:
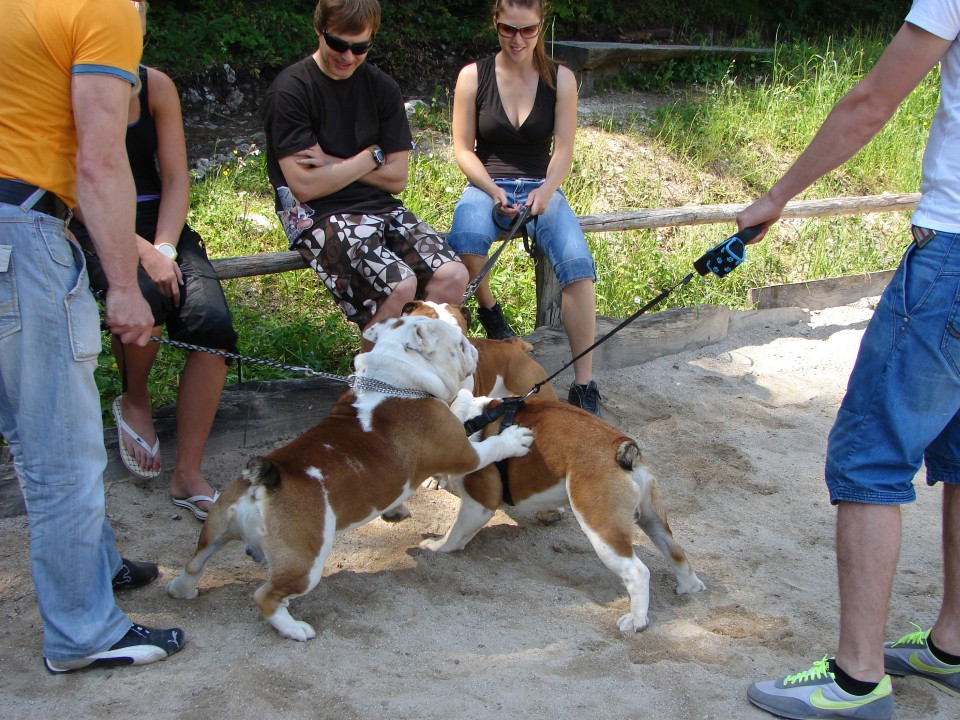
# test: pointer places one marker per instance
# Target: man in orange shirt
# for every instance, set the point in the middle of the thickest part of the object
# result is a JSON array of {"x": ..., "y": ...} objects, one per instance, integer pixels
[{"x": 66, "y": 74}]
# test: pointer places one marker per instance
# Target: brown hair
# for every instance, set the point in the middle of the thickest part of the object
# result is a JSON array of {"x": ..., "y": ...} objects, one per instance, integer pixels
[
  {"x": 543, "y": 64},
  {"x": 347, "y": 16}
]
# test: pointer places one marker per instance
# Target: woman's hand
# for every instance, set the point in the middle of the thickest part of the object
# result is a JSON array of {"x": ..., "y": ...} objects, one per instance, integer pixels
[
  {"x": 537, "y": 201},
  {"x": 164, "y": 272},
  {"x": 502, "y": 204}
]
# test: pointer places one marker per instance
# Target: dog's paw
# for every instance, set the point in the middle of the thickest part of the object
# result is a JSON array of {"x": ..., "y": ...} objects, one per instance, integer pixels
[
  {"x": 435, "y": 482},
  {"x": 518, "y": 439},
  {"x": 291, "y": 629},
  {"x": 628, "y": 623},
  {"x": 397, "y": 514},
  {"x": 438, "y": 544},
  {"x": 692, "y": 584},
  {"x": 550, "y": 517},
  {"x": 181, "y": 588}
]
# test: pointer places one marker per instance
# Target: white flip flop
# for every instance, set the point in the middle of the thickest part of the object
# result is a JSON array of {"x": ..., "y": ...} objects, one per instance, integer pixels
[
  {"x": 129, "y": 461},
  {"x": 190, "y": 504}
]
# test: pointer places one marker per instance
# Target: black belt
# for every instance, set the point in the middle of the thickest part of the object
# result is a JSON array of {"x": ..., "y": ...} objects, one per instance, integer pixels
[{"x": 14, "y": 192}]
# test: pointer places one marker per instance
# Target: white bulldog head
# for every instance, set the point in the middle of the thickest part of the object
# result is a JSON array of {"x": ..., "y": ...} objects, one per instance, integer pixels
[{"x": 417, "y": 352}]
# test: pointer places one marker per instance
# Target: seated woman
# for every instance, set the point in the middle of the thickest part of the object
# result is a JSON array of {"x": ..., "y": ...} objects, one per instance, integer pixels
[
  {"x": 507, "y": 111},
  {"x": 182, "y": 289}
]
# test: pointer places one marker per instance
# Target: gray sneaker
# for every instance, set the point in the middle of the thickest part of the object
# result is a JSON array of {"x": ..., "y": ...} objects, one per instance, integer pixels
[
  {"x": 910, "y": 656},
  {"x": 814, "y": 694}
]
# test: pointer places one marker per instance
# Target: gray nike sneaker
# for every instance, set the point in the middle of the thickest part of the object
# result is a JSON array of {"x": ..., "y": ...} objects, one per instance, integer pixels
[{"x": 910, "y": 656}]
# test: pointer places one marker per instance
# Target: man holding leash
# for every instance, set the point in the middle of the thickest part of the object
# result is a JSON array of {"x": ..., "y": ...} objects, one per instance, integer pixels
[
  {"x": 902, "y": 406},
  {"x": 66, "y": 73}
]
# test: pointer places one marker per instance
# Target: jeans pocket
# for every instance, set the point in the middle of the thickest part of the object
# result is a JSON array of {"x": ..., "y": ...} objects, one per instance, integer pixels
[
  {"x": 9, "y": 304},
  {"x": 51, "y": 232},
  {"x": 83, "y": 317}
]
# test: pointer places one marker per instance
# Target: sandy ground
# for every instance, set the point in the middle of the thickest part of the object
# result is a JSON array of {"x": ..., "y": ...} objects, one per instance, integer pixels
[{"x": 523, "y": 622}]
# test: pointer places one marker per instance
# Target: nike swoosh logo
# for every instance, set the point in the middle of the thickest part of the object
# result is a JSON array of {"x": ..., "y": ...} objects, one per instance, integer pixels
[
  {"x": 918, "y": 664},
  {"x": 822, "y": 703}
]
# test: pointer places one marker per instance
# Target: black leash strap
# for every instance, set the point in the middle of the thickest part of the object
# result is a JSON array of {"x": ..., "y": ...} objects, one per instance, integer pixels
[
  {"x": 523, "y": 217},
  {"x": 719, "y": 260},
  {"x": 657, "y": 300}
]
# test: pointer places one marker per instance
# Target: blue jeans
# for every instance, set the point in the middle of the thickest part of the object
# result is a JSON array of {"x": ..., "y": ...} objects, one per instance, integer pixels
[
  {"x": 50, "y": 415},
  {"x": 902, "y": 405},
  {"x": 557, "y": 231}
]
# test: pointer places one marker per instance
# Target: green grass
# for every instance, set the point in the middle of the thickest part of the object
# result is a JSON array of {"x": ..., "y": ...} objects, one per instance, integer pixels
[{"x": 722, "y": 140}]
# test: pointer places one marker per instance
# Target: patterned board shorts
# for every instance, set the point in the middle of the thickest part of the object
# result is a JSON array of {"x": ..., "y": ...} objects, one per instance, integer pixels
[{"x": 362, "y": 258}]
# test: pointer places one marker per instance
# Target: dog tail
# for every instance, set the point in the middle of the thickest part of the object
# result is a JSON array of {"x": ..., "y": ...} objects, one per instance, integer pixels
[
  {"x": 628, "y": 455},
  {"x": 261, "y": 471}
]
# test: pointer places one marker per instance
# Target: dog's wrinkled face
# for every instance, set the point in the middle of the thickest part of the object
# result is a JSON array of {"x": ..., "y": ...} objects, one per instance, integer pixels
[{"x": 418, "y": 352}]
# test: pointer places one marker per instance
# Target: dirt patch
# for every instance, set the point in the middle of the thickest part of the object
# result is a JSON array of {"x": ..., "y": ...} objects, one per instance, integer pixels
[{"x": 523, "y": 622}]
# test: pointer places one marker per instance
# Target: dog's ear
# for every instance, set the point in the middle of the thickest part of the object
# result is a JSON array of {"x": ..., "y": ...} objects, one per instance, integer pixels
[
  {"x": 374, "y": 332},
  {"x": 410, "y": 307},
  {"x": 421, "y": 339},
  {"x": 465, "y": 312}
]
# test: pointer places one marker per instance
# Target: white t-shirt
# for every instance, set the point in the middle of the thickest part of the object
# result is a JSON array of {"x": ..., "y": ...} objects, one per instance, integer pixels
[{"x": 939, "y": 207}]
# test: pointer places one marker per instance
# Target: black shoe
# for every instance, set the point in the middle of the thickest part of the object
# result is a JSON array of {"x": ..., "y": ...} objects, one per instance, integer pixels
[
  {"x": 140, "y": 646},
  {"x": 494, "y": 323},
  {"x": 586, "y": 397},
  {"x": 133, "y": 575}
]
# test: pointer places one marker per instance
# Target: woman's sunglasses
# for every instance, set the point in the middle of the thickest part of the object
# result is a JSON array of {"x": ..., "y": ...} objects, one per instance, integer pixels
[
  {"x": 527, "y": 32},
  {"x": 339, "y": 45}
]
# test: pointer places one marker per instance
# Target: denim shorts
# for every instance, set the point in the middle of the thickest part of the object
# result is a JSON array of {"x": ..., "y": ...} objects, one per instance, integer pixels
[
  {"x": 557, "y": 231},
  {"x": 903, "y": 398}
]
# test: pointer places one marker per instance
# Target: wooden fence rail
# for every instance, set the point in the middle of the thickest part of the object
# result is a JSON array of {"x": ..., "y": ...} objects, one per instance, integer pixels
[
  {"x": 275, "y": 262},
  {"x": 548, "y": 290}
]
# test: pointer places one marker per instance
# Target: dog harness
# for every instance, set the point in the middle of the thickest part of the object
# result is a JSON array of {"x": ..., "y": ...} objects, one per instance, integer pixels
[{"x": 506, "y": 412}]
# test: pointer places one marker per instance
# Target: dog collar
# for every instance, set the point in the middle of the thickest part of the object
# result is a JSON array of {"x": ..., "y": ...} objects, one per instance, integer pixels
[{"x": 361, "y": 382}]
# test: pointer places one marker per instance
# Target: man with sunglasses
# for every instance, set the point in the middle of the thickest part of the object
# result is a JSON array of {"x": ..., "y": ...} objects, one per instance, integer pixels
[{"x": 338, "y": 143}]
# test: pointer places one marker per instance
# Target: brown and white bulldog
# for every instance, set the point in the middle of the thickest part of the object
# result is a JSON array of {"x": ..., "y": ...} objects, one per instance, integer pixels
[
  {"x": 579, "y": 461},
  {"x": 504, "y": 367},
  {"x": 370, "y": 454}
]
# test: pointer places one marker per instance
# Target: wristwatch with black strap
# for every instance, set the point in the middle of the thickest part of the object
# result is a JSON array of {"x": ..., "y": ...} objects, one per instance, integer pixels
[{"x": 378, "y": 157}]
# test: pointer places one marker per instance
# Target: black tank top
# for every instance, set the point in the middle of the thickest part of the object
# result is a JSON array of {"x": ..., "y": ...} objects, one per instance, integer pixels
[
  {"x": 142, "y": 146},
  {"x": 504, "y": 150}
]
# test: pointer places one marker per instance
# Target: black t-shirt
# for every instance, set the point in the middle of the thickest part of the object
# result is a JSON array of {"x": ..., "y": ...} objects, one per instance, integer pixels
[
  {"x": 303, "y": 107},
  {"x": 504, "y": 150}
]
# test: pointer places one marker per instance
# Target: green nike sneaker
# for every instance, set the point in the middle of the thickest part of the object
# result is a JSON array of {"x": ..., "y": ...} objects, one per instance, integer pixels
[
  {"x": 814, "y": 694},
  {"x": 910, "y": 656}
]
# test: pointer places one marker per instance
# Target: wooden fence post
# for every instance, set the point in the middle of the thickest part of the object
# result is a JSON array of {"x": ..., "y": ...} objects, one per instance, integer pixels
[{"x": 548, "y": 291}]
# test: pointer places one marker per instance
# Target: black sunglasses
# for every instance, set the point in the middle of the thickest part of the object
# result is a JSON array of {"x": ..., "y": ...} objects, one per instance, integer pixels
[
  {"x": 527, "y": 32},
  {"x": 339, "y": 45}
]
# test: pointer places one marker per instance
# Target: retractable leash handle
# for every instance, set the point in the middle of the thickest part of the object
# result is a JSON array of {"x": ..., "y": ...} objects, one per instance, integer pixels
[
  {"x": 726, "y": 256},
  {"x": 508, "y": 232}
]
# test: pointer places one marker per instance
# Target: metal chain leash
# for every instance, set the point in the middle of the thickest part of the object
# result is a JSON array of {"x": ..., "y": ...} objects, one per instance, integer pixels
[{"x": 357, "y": 382}]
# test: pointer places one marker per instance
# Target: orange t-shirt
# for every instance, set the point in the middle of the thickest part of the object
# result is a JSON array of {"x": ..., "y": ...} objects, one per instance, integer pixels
[{"x": 44, "y": 43}]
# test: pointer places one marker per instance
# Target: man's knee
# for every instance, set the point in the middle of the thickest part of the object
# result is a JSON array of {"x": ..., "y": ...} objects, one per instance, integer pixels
[{"x": 448, "y": 283}]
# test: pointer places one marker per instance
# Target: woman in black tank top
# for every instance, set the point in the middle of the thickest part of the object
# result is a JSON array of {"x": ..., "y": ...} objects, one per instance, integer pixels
[
  {"x": 182, "y": 289},
  {"x": 514, "y": 122}
]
